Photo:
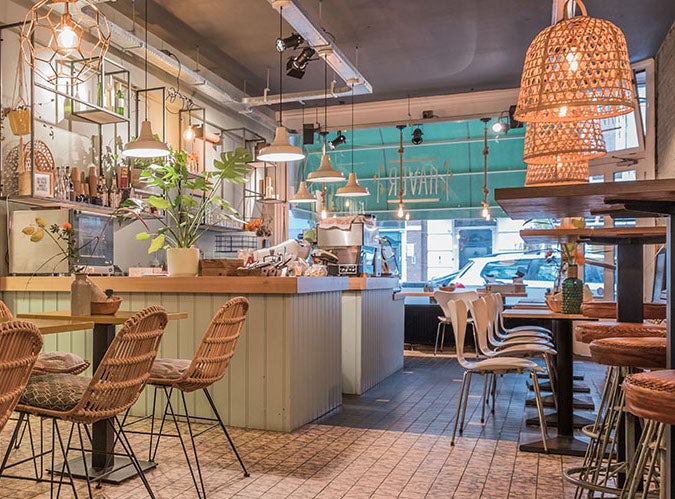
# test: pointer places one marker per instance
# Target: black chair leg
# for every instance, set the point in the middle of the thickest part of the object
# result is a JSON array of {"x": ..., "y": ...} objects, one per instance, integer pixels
[{"x": 220, "y": 421}]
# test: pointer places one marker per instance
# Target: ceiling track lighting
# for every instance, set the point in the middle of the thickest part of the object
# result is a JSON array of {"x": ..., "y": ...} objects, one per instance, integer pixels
[
  {"x": 281, "y": 148},
  {"x": 417, "y": 136},
  {"x": 296, "y": 65},
  {"x": 575, "y": 70},
  {"x": 293, "y": 41},
  {"x": 52, "y": 40},
  {"x": 337, "y": 141},
  {"x": 146, "y": 146},
  {"x": 485, "y": 211}
]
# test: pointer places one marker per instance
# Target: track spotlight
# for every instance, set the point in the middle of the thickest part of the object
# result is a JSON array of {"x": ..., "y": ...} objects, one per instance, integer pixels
[
  {"x": 417, "y": 136},
  {"x": 500, "y": 127},
  {"x": 290, "y": 42},
  {"x": 296, "y": 66},
  {"x": 340, "y": 139}
]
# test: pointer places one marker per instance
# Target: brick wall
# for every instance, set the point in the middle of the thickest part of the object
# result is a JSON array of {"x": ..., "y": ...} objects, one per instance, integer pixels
[{"x": 665, "y": 107}]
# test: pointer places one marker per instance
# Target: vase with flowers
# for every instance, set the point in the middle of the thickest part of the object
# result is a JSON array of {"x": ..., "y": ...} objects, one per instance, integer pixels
[{"x": 82, "y": 289}]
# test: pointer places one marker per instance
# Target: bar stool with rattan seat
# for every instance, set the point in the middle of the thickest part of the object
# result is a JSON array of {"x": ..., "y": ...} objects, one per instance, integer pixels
[
  {"x": 651, "y": 396},
  {"x": 52, "y": 362},
  {"x": 589, "y": 331},
  {"x": 206, "y": 367},
  {"x": 602, "y": 465},
  {"x": 114, "y": 388},
  {"x": 20, "y": 344}
]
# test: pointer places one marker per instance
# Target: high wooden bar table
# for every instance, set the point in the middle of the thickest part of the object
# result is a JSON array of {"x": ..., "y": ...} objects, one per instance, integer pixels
[{"x": 618, "y": 199}]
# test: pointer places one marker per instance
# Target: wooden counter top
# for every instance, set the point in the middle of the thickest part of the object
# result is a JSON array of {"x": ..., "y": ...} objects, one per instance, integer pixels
[
  {"x": 546, "y": 236},
  {"x": 368, "y": 283},
  {"x": 162, "y": 284}
]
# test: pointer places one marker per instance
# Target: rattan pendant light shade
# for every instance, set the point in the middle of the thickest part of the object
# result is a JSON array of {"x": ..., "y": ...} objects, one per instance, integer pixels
[
  {"x": 575, "y": 70},
  {"x": 575, "y": 172},
  {"x": 552, "y": 143}
]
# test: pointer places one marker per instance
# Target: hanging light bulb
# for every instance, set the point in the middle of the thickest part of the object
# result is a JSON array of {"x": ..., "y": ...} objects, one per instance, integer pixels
[
  {"x": 485, "y": 212},
  {"x": 67, "y": 38},
  {"x": 400, "y": 213},
  {"x": 189, "y": 133},
  {"x": 324, "y": 213},
  {"x": 407, "y": 216}
]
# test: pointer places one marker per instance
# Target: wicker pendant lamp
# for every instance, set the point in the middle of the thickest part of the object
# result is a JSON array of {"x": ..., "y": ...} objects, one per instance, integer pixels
[
  {"x": 574, "y": 172},
  {"x": 552, "y": 143},
  {"x": 51, "y": 39},
  {"x": 575, "y": 70}
]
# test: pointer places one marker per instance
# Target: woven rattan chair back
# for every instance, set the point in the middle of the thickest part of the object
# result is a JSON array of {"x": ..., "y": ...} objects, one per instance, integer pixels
[
  {"x": 217, "y": 347},
  {"x": 20, "y": 343},
  {"x": 123, "y": 371},
  {"x": 5, "y": 313}
]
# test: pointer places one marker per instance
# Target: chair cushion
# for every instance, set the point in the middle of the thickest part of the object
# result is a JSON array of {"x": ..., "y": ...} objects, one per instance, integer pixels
[
  {"x": 168, "y": 368},
  {"x": 59, "y": 362},
  {"x": 646, "y": 353},
  {"x": 56, "y": 392}
]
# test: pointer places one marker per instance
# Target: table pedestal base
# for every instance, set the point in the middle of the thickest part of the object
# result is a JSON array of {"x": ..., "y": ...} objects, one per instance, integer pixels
[
  {"x": 583, "y": 402},
  {"x": 552, "y": 421},
  {"x": 123, "y": 469},
  {"x": 561, "y": 445}
]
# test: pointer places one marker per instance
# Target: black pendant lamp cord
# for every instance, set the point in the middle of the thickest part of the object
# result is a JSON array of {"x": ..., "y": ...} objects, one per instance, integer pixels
[
  {"x": 281, "y": 63},
  {"x": 352, "y": 136},
  {"x": 486, "y": 150},
  {"x": 400, "y": 164}
]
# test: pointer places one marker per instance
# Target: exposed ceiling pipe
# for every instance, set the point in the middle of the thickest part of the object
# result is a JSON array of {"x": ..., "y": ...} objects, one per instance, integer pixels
[
  {"x": 231, "y": 98},
  {"x": 316, "y": 37}
]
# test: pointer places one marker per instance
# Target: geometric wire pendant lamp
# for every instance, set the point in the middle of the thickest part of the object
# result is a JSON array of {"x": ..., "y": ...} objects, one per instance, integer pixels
[
  {"x": 146, "y": 145},
  {"x": 575, "y": 70},
  {"x": 553, "y": 143},
  {"x": 574, "y": 172},
  {"x": 281, "y": 148},
  {"x": 52, "y": 39}
]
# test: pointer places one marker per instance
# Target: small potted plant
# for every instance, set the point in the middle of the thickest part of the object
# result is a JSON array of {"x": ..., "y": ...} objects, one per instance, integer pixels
[{"x": 184, "y": 201}]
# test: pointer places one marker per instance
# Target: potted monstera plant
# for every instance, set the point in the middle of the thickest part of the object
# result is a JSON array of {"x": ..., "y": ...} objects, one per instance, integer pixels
[{"x": 184, "y": 201}]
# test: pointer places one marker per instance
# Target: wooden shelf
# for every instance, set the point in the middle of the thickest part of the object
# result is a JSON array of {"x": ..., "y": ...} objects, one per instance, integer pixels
[
  {"x": 40, "y": 202},
  {"x": 524, "y": 203},
  {"x": 548, "y": 236},
  {"x": 98, "y": 116}
]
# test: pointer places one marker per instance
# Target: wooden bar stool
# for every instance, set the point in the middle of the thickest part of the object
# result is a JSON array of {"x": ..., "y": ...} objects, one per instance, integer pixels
[
  {"x": 602, "y": 464},
  {"x": 650, "y": 396},
  {"x": 588, "y": 332}
]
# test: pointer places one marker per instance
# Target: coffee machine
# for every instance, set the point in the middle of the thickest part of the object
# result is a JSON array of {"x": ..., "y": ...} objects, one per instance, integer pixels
[{"x": 355, "y": 242}]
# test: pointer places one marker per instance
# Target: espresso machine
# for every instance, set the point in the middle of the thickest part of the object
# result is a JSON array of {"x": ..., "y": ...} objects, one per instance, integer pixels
[{"x": 355, "y": 242}]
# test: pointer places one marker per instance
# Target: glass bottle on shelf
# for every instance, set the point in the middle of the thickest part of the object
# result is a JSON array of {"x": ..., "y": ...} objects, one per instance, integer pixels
[
  {"x": 119, "y": 100},
  {"x": 99, "y": 94},
  {"x": 110, "y": 94}
]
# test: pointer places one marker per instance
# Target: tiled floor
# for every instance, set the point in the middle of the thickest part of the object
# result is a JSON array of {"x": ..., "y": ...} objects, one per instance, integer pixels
[{"x": 394, "y": 441}]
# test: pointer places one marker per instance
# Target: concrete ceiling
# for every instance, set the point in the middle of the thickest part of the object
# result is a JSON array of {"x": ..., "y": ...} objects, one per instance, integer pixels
[{"x": 405, "y": 48}]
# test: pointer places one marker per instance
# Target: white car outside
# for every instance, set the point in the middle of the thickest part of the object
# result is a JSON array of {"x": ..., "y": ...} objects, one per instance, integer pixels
[{"x": 539, "y": 272}]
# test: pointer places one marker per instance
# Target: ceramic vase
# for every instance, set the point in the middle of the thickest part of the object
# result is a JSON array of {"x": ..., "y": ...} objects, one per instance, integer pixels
[
  {"x": 182, "y": 262},
  {"x": 573, "y": 292},
  {"x": 80, "y": 295}
]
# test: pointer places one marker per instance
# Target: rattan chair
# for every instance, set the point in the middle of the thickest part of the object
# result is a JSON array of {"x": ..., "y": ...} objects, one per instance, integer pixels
[
  {"x": 20, "y": 343},
  {"x": 52, "y": 362},
  {"x": 115, "y": 386},
  {"x": 207, "y": 366}
]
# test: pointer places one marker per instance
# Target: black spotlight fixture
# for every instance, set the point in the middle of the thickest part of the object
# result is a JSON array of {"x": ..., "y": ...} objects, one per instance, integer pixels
[
  {"x": 340, "y": 139},
  {"x": 296, "y": 66},
  {"x": 500, "y": 127},
  {"x": 290, "y": 42},
  {"x": 417, "y": 136}
]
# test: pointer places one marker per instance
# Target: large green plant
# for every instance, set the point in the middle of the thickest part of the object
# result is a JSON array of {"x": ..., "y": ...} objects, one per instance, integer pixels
[{"x": 185, "y": 197}]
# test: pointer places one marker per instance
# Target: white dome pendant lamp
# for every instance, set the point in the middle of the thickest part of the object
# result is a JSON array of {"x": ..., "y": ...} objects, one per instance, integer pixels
[
  {"x": 146, "y": 145},
  {"x": 281, "y": 148}
]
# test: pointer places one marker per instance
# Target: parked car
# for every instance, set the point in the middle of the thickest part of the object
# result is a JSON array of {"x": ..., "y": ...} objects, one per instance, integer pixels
[{"x": 538, "y": 272}]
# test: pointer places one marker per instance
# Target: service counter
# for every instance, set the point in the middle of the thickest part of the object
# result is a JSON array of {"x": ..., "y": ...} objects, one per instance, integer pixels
[{"x": 287, "y": 369}]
